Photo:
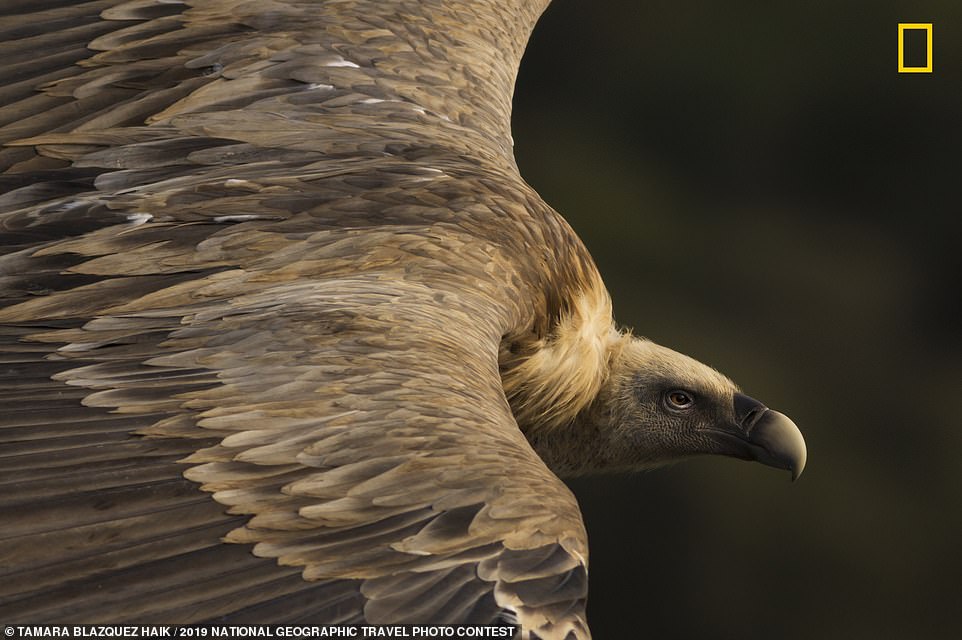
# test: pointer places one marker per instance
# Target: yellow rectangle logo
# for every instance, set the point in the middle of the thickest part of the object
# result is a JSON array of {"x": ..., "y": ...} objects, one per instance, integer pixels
[{"x": 915, "y": 26}]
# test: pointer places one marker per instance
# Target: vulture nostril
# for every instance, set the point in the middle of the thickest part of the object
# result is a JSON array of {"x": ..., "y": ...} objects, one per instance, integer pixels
[
  {"x": 749, "y": 421},
  {"x": 747, "y": 410}
]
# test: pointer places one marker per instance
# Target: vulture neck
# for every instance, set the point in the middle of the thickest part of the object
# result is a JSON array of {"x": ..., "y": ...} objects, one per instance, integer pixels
[{"x": 554, "y": 379}]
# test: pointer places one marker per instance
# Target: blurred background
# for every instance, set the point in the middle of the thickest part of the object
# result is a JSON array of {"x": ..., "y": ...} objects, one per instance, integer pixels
[{"x": 763, "y": 191}]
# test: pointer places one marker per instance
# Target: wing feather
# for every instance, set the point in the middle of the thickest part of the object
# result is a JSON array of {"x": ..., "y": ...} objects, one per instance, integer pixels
[{"x": 258, "y": 269}]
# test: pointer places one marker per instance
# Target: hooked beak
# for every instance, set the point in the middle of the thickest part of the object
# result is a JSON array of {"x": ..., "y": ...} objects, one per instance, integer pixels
[{"x": 767, "y": 436}]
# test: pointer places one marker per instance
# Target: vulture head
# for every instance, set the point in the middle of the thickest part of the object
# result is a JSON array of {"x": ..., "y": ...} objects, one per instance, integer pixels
[
  {"x": 658, "y": 406},
  {"x": 644, "y": 406}
]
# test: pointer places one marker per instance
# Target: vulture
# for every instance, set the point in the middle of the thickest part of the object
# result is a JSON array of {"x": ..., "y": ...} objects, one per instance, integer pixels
[{"x": 284, "y": 335}]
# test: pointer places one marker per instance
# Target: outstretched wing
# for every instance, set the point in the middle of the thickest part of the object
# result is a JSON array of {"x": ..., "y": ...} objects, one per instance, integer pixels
[
  {"x": 259, "y": 260},
  {"x": 334, "y": 76}
]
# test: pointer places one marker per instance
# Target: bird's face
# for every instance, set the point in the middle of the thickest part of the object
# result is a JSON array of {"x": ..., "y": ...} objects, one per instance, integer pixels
[{"x": 659, "y": 406}]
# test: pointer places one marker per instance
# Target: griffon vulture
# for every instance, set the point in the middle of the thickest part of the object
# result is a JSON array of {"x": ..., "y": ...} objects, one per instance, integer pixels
[{"x": 286, "y": 337}]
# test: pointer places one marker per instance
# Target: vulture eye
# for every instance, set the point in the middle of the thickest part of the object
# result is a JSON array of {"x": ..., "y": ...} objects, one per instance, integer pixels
[{"x": 678, "y": 399}]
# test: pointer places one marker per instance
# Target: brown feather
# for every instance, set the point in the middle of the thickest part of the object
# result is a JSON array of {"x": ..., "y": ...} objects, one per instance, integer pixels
[{"x": 281, "y": 249}]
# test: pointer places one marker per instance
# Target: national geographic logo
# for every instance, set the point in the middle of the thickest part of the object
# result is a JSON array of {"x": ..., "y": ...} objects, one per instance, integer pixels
[{"x": 915, "y": 47}]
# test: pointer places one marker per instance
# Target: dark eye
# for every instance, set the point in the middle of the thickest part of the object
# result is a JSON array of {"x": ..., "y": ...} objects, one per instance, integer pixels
[{"x": 679, "y": 399}]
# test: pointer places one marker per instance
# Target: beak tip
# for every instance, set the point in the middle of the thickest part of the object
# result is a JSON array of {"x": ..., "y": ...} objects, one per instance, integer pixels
[
  {"x": 801, "y": 457},
  {"x": 781, "y": 441}
]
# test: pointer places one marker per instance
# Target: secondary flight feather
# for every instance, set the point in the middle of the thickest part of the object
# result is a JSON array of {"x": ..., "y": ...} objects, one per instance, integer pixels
[{"x": 285, "y": 337}]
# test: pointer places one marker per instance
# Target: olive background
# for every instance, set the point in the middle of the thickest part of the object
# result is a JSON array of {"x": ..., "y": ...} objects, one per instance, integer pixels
[{"x": 763, "y": 191}]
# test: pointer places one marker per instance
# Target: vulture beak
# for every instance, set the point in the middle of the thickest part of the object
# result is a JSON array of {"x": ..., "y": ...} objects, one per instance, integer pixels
[{"x": 767, "y": 436}]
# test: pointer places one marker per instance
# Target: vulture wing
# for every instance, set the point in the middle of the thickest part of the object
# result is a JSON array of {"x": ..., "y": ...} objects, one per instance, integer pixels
[{"x": 259, "y": 260}]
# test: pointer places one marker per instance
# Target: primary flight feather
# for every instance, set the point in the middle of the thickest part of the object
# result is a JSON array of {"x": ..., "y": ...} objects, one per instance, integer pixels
[{"x": 285, "y": 337}]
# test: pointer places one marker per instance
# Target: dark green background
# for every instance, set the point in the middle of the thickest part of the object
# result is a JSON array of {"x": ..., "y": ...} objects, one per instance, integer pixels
[{"x": 762, "y": 190}]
